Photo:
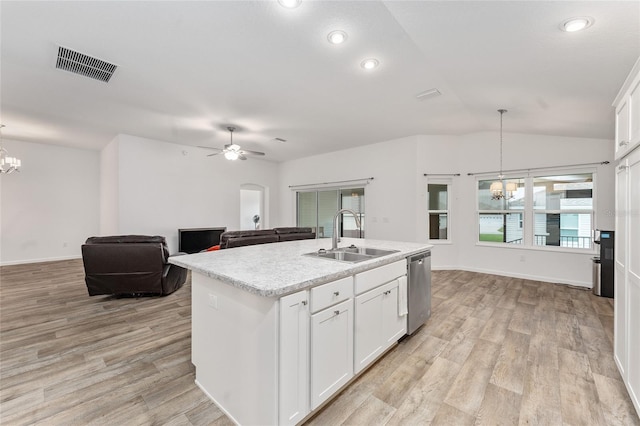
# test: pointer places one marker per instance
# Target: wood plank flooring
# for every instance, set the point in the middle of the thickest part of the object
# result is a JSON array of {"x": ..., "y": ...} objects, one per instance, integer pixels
[{"x": 496, "y": 351}]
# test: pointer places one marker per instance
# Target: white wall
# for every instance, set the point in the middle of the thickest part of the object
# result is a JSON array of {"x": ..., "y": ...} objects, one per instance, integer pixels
[
  {"x": 163, "y": 187},
  {"x": 49, "y": 208},
  {"x": 396, "y": 199},
  {"x": 390, "y": 198},
  {"x": 109, "y": 189},
  {"x": 480, "y": 153}
]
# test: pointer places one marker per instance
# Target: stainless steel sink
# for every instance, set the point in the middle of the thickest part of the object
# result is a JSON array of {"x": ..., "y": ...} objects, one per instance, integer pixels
[
  {"x": 344, "y": 256},
  {"x": 351, "y": 254},
  {"x": 368, "y": 251}
]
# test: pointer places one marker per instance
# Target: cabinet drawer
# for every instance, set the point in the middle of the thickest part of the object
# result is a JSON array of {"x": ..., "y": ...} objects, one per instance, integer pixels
[
  {"x": 331, "y": 293},
  {"x": 375, "y": 277}
]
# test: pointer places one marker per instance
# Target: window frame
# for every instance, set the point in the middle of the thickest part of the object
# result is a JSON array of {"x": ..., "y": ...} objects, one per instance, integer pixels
[
  {"x": 529, "y": 212},
  {"x": 560, "y": 211},
  {"x": 504, "y": 211},
  {"x": 449, "y": 184}
]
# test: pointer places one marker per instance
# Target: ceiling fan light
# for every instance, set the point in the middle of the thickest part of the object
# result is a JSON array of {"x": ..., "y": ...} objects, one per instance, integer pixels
[{"x": 231, "y": 155}]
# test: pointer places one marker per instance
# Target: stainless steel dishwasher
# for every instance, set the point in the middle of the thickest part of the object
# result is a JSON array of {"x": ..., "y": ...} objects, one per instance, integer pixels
[{"x": 419, "y": 290}]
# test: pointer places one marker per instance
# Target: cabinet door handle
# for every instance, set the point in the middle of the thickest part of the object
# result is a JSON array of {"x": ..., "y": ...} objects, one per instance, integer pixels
[
  {"x": 387, "y": 292},
  {"x": 336, "y": 293},
  {"x": 622, "y": 167},
  {"x": 304, "y": 303},
  {"x": 336, "y": 312},
  {"x": 623, "y": 143}
]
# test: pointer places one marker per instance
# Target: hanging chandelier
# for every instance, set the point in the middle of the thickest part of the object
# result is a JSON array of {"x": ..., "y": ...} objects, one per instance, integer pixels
[
  {"x": 501, "y": 189},
  {"x": 7, "y": 164}
]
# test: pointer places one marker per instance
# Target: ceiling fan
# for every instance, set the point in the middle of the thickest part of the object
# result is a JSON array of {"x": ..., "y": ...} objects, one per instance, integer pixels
[{"x": 232, "y": 151}]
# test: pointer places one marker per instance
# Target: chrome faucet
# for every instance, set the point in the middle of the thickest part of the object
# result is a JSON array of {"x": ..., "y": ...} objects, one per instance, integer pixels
[{"x": 334, "y": 237}]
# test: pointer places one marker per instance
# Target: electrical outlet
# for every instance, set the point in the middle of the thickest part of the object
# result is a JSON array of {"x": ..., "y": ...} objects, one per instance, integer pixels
[
  {"x": 65, "y": 244},
  {"x": 522, "y": 258}
]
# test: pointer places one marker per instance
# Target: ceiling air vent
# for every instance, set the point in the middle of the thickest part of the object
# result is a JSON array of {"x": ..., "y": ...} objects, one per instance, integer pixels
[{"x": 79, "y": 63}]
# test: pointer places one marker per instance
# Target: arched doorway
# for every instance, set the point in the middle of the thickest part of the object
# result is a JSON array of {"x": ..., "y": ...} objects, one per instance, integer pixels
[{"x": 252, "y": 207}]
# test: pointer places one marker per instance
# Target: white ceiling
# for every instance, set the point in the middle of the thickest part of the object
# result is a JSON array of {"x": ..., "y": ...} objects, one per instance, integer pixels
[{"x": 186, "y": 70}]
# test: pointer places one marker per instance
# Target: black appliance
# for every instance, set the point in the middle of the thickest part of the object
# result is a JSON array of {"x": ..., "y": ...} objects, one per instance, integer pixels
[
  {"x": 603, "y": 265},
  {"x": 194, "y": 240}
]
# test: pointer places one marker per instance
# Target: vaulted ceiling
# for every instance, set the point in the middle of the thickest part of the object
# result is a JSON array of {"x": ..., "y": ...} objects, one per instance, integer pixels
[{"x": 187, "y": 70}]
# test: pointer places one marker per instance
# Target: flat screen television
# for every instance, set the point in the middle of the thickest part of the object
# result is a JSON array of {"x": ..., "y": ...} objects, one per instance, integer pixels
[{"x": 194, "y": 240}]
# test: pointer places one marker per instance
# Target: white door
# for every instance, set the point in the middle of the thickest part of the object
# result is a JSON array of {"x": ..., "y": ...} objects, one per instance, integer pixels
[
  {"x": 293, "y": 365},
  {"x": 331, "y": 351}
]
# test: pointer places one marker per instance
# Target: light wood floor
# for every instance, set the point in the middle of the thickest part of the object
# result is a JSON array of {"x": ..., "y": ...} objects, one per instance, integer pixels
[{"x": 495, "y": 351}]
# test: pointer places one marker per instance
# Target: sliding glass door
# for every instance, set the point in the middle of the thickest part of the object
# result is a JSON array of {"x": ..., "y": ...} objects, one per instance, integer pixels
[{"x": 316, "y": 208}]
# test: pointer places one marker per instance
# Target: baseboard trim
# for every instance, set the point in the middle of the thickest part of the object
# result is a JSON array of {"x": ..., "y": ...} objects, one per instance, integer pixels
[
  {"x": 586, "y": 285},
  {"x": 49, "y": 259}
]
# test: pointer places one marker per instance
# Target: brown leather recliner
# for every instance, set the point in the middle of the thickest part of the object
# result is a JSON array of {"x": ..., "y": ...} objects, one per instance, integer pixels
[{"x": 130, "y": 265}]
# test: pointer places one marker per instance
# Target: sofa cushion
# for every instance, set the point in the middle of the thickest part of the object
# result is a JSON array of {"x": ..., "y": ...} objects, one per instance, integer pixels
[
  {"x": 247, "y": 233},
  {"x": 134, "y": 239},
  {"x": 248, "y": 241},
  {"x": 293, "y": 230},
  {"x": 298, "y": 236}
]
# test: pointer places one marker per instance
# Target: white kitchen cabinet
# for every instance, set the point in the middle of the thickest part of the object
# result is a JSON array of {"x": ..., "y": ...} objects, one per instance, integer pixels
[
  {"x": 633, "y": 276},
  {"x": 378, "y": 324},
  {"x": 627, "y": 105},
  {"x": 395, "y": 323},
  {"x": 331, "y": 350},
  {"x": 627, "y": 278},
  {"x": 620, "y": 288},
  {"x": 293, "y": 387}
]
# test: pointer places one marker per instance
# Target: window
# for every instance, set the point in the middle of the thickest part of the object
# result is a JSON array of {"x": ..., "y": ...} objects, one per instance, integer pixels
[
  {"x": 316, "y": 208},
  {"x": 501, "y": 221},
  {"x": 540, "y": 211},
  {"x": 438, "y": 210},
  {"x": 563, "y": 207}
]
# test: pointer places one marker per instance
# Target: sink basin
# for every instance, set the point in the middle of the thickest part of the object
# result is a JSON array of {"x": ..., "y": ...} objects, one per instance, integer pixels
[
  {"x": 368, "y": 251},
  {"x": 351, "y": 254},
  {"x": 344, "y": 256}
]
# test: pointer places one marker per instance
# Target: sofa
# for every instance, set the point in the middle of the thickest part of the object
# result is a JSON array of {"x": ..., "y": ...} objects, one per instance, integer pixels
[
  {"x": 130, "y": 265},
  {"x": 232, "y": 239}
]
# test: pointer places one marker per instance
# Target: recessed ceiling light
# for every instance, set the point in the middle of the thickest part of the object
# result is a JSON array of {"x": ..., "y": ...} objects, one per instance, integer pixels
[
  {"x": 369, "y": 64},
  {"x": 337, "y": 37},
  {"x": 290, "y": 4},
  {"x": 576, "y": 24}
]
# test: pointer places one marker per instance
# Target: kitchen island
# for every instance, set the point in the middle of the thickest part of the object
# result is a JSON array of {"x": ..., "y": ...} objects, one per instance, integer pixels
[{"x": 276, "y": 333}]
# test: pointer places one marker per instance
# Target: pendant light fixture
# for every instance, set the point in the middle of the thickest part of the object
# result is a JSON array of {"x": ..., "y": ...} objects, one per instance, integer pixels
[
  {"x": 7, "y": 164},
  {"x": 498, "y": 187}
]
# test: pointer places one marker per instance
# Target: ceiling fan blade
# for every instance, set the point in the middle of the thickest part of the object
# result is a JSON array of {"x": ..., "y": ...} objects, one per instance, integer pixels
[
  {"x": 209, "y": 147},
  {"x": 246, "y": 151},
  {"x": 242, "y": 157},
  {"x": 215, "y": 153}
]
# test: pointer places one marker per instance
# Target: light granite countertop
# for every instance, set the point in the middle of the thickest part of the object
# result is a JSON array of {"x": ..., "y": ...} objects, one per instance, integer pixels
[{"x": 276, "y": 269}]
